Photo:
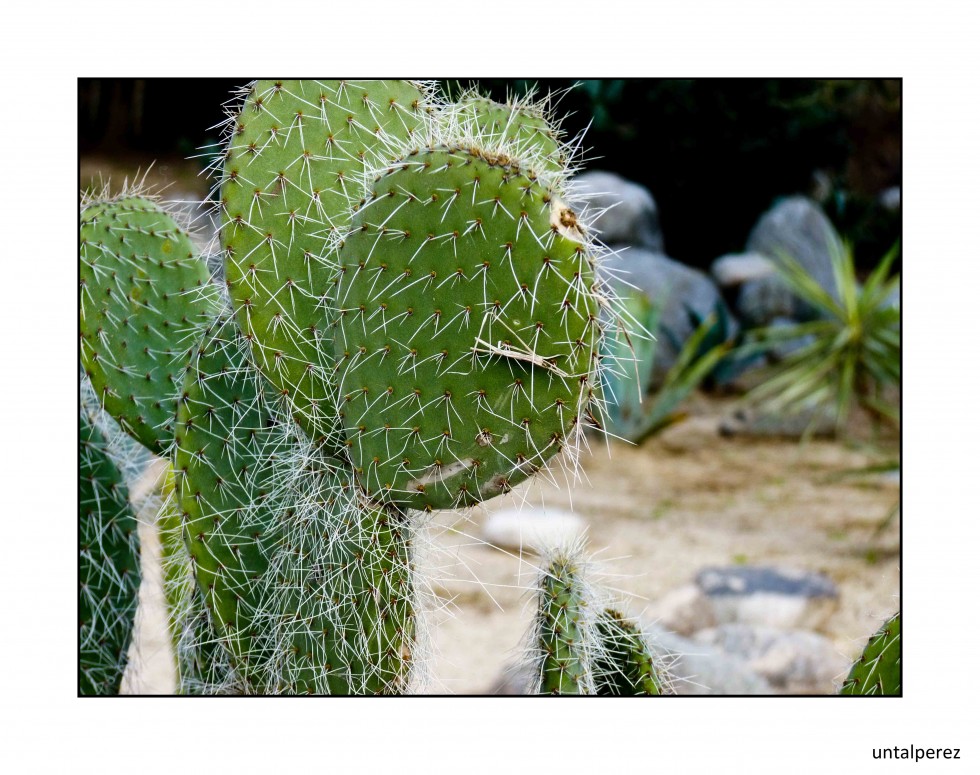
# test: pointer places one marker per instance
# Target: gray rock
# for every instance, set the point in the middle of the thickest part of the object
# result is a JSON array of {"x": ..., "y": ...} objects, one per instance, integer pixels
[
  {"x": 702, "y": 669},
  {"x": 736, "y": 269},
  {"x": 678, "y": 289},
  {"x": 796, "y": 226},
  {"x": 532, "y": 529},
  {"x": 758, "y": 423},
  {"x": 623, "y": 212},
  {"x": 792, "y": 661},
  {"x": 683, "y": 610},
  {"x": 516, "y": 679},
  {"x": 891, "y": 477},
  {"x": 772, "y": 597},
  {"x": 762, "y": 300}
]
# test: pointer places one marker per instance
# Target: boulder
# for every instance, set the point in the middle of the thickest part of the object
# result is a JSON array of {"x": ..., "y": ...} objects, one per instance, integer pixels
[
  {"x": 797, "y": 227},
  {"x": 701, "y": 669},
  {"x": 792, "y": 661},
  {"x": 773, "y": 597},
  {"x": 618, "y": 210},
  {"x": 783, "y": 348},
  {"x": 735, "y": 269},
  {"x": 891, "y": 198},
  {"x": 683, "y": 610},
  {"x": 751, "y": 422},
  {"x": 679, "y": 290}
]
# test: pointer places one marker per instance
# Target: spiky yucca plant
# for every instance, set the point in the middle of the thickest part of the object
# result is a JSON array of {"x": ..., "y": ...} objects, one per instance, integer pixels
[
  {"x": 852, "y": 348},
  {"x": 635, "y": 409}
]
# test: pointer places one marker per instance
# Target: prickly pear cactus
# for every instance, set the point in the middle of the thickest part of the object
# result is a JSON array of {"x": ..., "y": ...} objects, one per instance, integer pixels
[
  {"x": 109, "y": 565},
  {"x": 468, "y": 328},
  {"x": 879, "y": 670},
  {"x": 563, "y": 627},
  {"x": 623, "y": 664},
  {"x": 307, "y": 585},
  {"x": 416, "y": 324},
  {"x": 580, "y": 645},
  {"x": 228, "y": 441},
  {"x": 295, "y": 152},
  {"x": 144, "y": 298}
]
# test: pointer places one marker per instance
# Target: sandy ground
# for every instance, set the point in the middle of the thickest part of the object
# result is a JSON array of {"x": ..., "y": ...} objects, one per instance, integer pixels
[{"x": 656, "y": 514}]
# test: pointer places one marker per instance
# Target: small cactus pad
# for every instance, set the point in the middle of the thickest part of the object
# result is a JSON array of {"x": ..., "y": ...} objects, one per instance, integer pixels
[
  {"x": 623, "y": 664},
  {"x": 563, "y": 629},
  {"x": 295, "y": 151},
  {"x": 227, "y": 442},
  {"x": 108, "y": 567},
  {"x": 879, "y": 670},
  {"x": 521, "y": 128},
  {"x": 469, "y": 329},
  {"x": 144, "y": 297},
  {"x": 308, "y": 590}
]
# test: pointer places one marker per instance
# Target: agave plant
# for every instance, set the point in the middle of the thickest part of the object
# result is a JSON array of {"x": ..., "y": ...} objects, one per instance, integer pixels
[
  {"x": 636, "y": 410},
  {"x": 852, "y": 347}
]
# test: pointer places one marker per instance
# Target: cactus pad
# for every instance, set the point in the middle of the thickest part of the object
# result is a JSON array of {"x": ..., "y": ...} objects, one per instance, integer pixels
[
  {"x": 879, "y": 670},
  {"x": 224, "y": 464},
  {"x": 563, "y": 629},
  {"x": 469, "y": 329},
  {"x": 623, "y": 664},
  {"x": 144, "y": 297},
  {"x": 108, "y": 568},
  {"x": 308, "y": 587},
  {"x": 294, "y": 151}
]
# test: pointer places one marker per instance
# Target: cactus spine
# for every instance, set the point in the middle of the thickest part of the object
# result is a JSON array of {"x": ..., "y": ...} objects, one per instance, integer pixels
[
  {"x": 308, "y": 585},
  {"x": 624, "y": 663},
  {"x": 202, "y": 664},
  {"x": 521, "y": 129},
  {"x": 469, "y": 328},
  {"x": 563, "y": 629}
]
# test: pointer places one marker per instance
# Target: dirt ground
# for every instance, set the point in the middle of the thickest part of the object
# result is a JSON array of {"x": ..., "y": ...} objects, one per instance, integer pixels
[{"x": 657, "y": 514}]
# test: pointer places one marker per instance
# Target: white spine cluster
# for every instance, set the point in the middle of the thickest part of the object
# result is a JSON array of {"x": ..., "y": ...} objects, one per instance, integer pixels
[{"x": 332, "y": 561}]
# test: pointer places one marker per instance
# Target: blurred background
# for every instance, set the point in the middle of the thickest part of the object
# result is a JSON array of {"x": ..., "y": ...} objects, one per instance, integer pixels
[{"x": 746, "y": 498}]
